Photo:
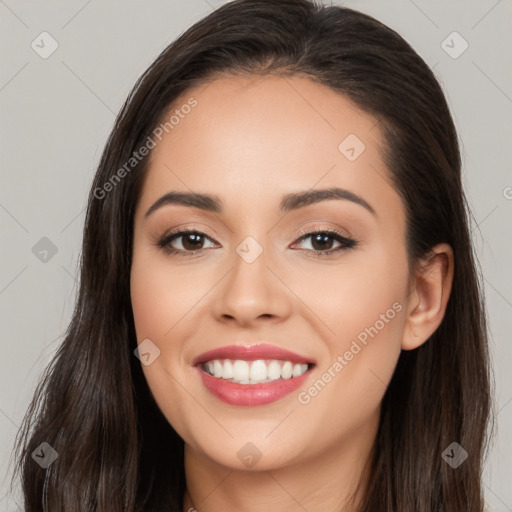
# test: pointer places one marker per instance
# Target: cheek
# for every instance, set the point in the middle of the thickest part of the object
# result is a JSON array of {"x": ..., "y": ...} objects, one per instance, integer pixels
[
  {"x": 344, "y": 398},
  {"x": 375, "y": 316},
  {"x": 161, "y": 296},
  {"x": 148, "y": 304},
  {"x": 363, "y": 303},
  {"x": 160, "y": 300},
  {"x": 351, "y": 296}
]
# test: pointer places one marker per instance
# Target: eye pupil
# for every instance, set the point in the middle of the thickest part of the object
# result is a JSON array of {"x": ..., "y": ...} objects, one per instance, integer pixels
[
  {"x": 196, "y": 241},
  {"x": 322, "y": 238}
]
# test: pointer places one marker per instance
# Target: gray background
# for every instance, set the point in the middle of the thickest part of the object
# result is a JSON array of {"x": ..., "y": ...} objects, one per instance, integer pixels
[{"x": 57, "y": 112}]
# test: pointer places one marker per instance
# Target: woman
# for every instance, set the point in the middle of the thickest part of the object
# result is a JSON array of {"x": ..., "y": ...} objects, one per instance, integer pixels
[{"x": 278, "y": 302}]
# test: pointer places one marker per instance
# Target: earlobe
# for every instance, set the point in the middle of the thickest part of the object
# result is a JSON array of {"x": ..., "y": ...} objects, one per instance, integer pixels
[{"x": 430, "y": 293}]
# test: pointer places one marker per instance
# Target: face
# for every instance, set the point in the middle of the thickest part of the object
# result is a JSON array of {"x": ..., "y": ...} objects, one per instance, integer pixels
[{"x": 304, "y": 298}]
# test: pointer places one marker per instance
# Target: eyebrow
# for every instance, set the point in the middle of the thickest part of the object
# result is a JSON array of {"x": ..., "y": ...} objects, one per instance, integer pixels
[{"x": 289, "y": 202}]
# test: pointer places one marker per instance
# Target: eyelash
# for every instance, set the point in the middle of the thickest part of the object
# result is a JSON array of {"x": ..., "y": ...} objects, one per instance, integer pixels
[{"x": 347, "y": 243}]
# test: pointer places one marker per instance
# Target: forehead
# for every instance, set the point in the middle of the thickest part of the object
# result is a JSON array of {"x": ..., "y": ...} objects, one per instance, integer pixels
[{"x": 265, "y": 136}]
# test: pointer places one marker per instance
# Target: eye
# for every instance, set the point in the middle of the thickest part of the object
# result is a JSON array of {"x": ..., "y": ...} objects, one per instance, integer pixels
[
  {"x": 322, "y": 242},
  {"x": 190, "y": 242}
]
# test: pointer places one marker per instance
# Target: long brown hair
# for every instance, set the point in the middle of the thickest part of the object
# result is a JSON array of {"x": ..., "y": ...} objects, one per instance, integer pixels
[{"x": 116, "y": 451}]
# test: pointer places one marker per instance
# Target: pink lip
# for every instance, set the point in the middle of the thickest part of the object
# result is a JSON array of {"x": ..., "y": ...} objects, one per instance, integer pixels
[
  {"x": 251, "y": 353},
  {"x": 251, "y": 394}
]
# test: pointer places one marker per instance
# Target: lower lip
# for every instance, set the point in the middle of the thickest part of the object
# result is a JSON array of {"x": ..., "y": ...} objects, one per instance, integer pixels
[{"x": 251, "y": 394}]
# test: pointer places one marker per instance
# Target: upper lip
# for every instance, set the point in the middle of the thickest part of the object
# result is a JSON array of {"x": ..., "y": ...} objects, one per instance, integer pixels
[{"x": 251, "y": 353}]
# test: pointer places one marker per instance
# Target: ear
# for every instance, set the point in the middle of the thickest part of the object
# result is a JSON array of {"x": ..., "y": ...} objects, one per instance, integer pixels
[{"x": 429, "y": 296}]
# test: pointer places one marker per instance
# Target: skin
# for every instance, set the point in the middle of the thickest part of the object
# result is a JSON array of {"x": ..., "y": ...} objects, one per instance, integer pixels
[{"x": 250, "y": 141}]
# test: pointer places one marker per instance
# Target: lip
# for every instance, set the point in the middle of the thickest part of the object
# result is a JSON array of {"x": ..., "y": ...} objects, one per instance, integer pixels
[
  {"x": 251, "y": 353},
  {"x": 252, "y": 394}
]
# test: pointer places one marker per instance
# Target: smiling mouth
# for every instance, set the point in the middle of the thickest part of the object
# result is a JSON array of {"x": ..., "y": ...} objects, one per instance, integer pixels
[{"x": 259, "y": 371}]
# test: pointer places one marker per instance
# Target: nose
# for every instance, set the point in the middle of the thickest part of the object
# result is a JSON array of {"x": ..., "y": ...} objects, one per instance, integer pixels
[{"x": 251, "y": 293}]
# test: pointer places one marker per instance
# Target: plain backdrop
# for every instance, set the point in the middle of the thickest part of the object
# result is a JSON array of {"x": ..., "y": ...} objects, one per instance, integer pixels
[{"x": 56, "y": 113}]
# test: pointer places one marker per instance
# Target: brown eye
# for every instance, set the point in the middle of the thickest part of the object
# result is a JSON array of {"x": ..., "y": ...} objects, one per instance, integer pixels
[
  {"x": 322, "y": 242},
  {"x": 192, "y": 241},
  {"x": 184, "y": 242}
]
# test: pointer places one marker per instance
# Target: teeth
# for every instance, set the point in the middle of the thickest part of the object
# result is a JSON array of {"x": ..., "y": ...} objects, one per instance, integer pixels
[
  {"x": 274, "y": 370},
  {"x": 258, "y": 371},
  {"x": 253, "y": 372},
  {"x": 227, "y": 371},
  {"x": 297, "y": 370},
  {"x": 240, "y": 370},
  {"x": 287, "y": 370},
  {"x": 217, "y": 368}
]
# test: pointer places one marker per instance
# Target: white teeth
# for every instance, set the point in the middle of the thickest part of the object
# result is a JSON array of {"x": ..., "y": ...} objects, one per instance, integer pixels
[
  {"x": 258, "y": 370},
  {"x": 297, "y": 370},
  {"x": 217, "y": 368},
  {"x": 240, "y": 370},
  {"x": 253, "y": 372},
  {"x": 227, "y": 372},
  {"x": 287, "y": 370},
  {"x": 274, "y": 370}
]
